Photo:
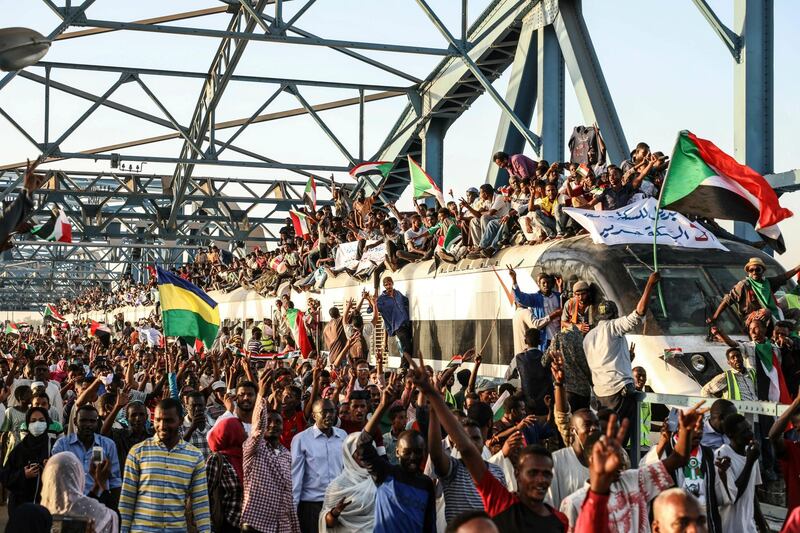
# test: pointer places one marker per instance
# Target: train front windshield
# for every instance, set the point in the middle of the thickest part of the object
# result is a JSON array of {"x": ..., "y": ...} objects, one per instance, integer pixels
[{"x": 691, "y": 295}]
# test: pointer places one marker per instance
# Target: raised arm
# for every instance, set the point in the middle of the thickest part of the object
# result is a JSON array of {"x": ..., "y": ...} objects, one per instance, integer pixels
[
  {"x": 348, "y": 308},
  {"x": 315, "y": 373},
  {"x": 469, "y": 453},
  {"x": 119, "y": 405},
  {"x": 474, "y": 375},
  {"x": 652, "y": 281},
  {"x": 88, "y": 392},
  {"x": 688, "y": 422},
  {"x": 778, "y": 428},
  {"x": 387, "y": 397},
  {"x": 440, "y": 460},
  {"x": 722, "y": 336}
]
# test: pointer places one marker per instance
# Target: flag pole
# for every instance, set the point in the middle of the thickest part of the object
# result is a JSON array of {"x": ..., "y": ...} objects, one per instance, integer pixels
[{"x": 655, "y": 229}]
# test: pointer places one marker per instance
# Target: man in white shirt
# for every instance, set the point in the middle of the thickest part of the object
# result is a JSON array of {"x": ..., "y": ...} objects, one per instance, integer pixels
[
  {"x": 39, "y": 371},
  {"x": 632, "y": 490},
  {"x": 570, "y": 470},
  {"x": 416, "y": 239},
  {"x": 609, "y": 358},
  {"x": 741, "y": 478},
  {"x": 486, "y": 223}
]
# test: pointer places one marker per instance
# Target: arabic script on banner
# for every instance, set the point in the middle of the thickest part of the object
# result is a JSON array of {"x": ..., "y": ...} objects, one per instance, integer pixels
[
  {"x": 633, "y": 224},
  {"x": 347, "y": 256}
]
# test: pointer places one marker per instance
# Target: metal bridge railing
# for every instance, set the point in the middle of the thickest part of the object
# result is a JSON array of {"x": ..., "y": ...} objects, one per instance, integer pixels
[{"x": 676, "y": 400}]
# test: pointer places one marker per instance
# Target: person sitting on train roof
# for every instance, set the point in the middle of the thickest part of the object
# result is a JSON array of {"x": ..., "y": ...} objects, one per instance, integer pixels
[
  {"x": 618, "y": 194},
  {"x": 518, "y": 165},
  {"x": 486, "y": 222},
  {"x": 755, "y": 292}
]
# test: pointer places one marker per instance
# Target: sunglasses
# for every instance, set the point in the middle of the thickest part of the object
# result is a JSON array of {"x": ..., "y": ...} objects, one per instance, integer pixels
[{"x": 755, "y": 269}]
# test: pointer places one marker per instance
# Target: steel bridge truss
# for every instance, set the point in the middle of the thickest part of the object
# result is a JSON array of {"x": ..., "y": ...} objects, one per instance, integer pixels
[{"x": 125, "y": 219}]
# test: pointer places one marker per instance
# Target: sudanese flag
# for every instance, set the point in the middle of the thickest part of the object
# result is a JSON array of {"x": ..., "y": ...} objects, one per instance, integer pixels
[{"x": 703, "y": 180}]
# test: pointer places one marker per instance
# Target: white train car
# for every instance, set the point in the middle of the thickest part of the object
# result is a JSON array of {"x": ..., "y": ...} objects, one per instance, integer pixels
[{"x": 462, "y": 306}]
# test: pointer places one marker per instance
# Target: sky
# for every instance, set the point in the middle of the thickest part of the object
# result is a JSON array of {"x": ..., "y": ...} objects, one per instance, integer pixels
[{"x": 665, "y": 68}]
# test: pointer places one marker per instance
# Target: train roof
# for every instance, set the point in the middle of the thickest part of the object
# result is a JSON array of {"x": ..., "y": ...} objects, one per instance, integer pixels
[{"x": 578, "y": 249}]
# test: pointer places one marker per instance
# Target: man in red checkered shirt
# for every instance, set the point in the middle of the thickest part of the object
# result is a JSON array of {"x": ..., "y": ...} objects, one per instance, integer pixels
[{"x": 267, "y": 465}]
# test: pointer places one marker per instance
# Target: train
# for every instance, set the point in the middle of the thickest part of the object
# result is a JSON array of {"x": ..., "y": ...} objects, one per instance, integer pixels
[{"x": 455, "y": 307}]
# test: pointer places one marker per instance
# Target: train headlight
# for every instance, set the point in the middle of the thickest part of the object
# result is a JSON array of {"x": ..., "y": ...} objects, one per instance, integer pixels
[{"x": 698, "y": 362}]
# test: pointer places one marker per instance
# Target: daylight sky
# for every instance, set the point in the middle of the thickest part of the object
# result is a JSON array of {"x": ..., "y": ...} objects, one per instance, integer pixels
[{"x": 665, "y": 68}]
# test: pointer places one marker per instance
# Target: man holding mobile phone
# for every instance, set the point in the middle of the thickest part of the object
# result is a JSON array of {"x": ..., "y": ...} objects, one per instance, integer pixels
[{"x": 91, "y": 448}]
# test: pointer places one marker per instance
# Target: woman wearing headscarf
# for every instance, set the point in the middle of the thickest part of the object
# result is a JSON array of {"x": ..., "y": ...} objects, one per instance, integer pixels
[
  {"x": 22, "y": 472},
  {"x": 224, "y": 472},
  {"x": 62, "y": 492},
  {"x": 349, "y": 503}
]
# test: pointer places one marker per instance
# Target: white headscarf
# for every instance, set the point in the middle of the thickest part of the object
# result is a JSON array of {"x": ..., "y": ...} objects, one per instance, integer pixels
[
  {"x": 62, "y": 493},
  {"x": 356, "y": 486}
]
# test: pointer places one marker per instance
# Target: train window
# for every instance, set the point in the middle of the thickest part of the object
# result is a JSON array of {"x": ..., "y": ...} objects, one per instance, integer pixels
[{"x": 689, "y": 297}]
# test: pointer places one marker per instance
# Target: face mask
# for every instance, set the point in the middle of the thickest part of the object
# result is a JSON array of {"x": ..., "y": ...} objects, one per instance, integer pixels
[{"x": 37, "y": 428}]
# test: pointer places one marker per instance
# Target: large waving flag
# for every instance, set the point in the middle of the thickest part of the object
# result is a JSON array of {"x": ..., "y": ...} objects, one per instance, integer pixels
[
  {"x": 703, "y": 180},
  {"x": 294, "y": 317},
  {"x": 186, "y": 310},
  {"x": 423, "y": 183},
  {"x": 11, "y": 329}
]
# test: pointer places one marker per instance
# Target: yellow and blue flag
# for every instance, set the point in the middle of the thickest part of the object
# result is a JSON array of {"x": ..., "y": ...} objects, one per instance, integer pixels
[{"x": 186, "y": 310}]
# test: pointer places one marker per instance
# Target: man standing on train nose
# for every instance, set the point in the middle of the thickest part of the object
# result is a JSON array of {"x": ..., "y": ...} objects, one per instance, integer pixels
[
  {"x": 540, "y": 310},
  {"x": 393, "y": 307}
]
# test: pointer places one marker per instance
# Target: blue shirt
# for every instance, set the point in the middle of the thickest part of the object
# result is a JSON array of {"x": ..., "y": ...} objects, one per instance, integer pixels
[
  {"x": 316, "y": 461},
  {"x": 394, "y": 311},
  {"x": 70, "y": 443},
  {"x": 536, "y": 303}
]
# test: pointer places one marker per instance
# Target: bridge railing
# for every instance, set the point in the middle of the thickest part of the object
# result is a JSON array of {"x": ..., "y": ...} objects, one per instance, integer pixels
[{"x": 680, "y": 401}]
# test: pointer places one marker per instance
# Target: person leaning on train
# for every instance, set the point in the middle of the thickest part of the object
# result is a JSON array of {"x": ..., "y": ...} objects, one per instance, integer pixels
[
  {"x": 755, "y": 292},
  {"x": 539, "y": 310}
]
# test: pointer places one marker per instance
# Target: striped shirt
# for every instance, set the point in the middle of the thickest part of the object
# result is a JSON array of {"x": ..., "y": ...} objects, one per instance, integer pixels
[
  {"x": 460, "y": 493},
  {"x": 158, "y": 482}
]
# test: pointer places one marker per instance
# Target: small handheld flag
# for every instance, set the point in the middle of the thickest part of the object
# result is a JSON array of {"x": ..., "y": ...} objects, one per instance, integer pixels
[
  {"x": 310, "y": 195},
  {"x": 57, "y": 229},
  {"x": 371, "y": 168},
  {"x": 423, "y": 183},
  {"x": 51, "y": 314}
]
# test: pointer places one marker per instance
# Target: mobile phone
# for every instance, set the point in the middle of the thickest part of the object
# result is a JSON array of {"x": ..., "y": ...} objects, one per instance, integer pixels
[{"x": 97, "y": 454}]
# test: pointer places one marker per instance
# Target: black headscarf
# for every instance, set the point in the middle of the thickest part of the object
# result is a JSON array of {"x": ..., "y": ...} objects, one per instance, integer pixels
[
  {"x": 30, "y": 518},
  {"x": 40, "y": 442}
]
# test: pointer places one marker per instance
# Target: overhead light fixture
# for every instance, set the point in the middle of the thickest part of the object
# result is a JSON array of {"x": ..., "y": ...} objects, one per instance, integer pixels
[{"x": 21, "y": 47}]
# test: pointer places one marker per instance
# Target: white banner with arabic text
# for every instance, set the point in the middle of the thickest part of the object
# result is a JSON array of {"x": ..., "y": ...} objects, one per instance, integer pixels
[
  {"x": 633, "y": 224},
  {"x": 347, "y": 256}
]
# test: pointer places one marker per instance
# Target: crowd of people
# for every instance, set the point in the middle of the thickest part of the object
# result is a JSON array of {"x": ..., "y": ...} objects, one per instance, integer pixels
[
  {"x": 124, "y": 430},
  {"x": 137, "y": 434},
  {"x": 527, "y": 210}
]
